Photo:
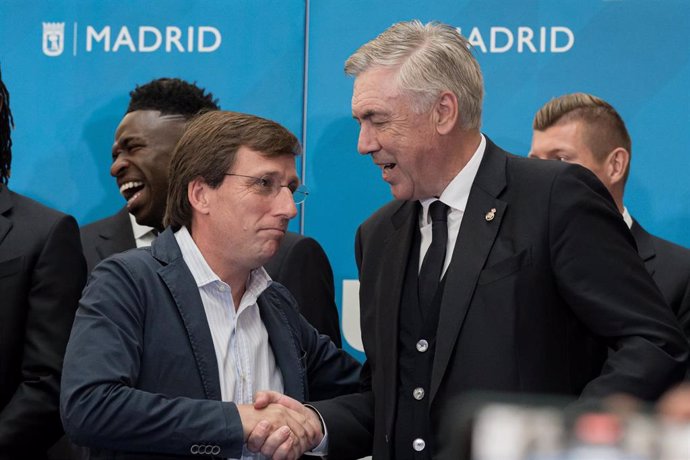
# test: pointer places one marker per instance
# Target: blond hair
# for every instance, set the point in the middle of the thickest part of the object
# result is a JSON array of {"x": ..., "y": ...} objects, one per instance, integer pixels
[{"x": 604, "y": 127}]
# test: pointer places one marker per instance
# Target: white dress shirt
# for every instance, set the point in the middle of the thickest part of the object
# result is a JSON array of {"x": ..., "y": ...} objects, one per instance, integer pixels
[
  {"x": 246, "y": 363},
  {"x": 455, "y": 196},
  {"x": 143, "y": 235}
]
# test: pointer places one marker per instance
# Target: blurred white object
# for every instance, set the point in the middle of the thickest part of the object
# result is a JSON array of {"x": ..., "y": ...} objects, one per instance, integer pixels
[{"x": 351, "y": 329}]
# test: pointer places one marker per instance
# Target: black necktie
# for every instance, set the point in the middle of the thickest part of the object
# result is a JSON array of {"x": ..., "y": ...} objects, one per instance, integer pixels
[{"x": 430, "y": 274}]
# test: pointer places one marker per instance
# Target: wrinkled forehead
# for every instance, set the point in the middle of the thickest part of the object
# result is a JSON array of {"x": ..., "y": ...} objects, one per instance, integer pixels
[
  {"x": 261, "y": 163},
  {"x": 375, "y": 93},
  {"x": 383, "y": 80},
  {"x": 142, "y": 121}
]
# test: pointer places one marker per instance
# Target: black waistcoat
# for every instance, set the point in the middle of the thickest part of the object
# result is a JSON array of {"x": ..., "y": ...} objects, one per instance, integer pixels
[{"x": 412, "y": 426}]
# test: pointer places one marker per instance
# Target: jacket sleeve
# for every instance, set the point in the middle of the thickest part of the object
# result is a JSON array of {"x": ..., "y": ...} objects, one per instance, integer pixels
[
  {"x": 683, "y": 313},
  {"x": 605, "y": 283},
  {"x": 101, "y": 405},
  {"x": 350, "y": 421},
  {"x": 31, "y": 417},
  {"x": 331, "y": 371},
  {"x": 350, "y": 417}
]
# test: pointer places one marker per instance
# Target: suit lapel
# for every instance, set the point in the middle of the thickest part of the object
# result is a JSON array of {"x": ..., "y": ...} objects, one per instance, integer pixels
[
  {"x": 283, "y": 346},
  {"x": 5, "y": 206},
  {"x": 645, "y": 246},
  {"x": 117, "y": 236},
  {"x": 480, "y": 224},
  {"x": 182, "y": 286},
  {"x": 395, "y": 254}
]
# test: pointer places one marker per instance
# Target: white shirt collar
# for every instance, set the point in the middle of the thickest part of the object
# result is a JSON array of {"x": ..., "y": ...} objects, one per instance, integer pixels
[
  {"x": 457, "y": 192},
  {"x": 202, "y": 272},
  {"x": 627, "y": 217},
  {"x": 143, "y": 235}
]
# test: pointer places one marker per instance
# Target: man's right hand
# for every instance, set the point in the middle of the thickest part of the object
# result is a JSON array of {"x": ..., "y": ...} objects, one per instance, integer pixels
[{"x": 278, "y": 431}]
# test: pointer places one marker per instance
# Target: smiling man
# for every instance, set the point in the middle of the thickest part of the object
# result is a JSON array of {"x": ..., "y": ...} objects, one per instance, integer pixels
[
  {"x": 488, "y": 272},
  {"x": 170, "y": 343},
  {"x": 140, "y": 178},
  {"x": 144, "y": 140},
  {"x": 156, "y": 117}
]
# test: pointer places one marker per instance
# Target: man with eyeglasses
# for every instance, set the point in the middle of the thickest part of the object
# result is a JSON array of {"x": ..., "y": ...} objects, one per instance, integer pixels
[
  {"x": 155, "y": 118},
  {"x": 170, "y": 343}
]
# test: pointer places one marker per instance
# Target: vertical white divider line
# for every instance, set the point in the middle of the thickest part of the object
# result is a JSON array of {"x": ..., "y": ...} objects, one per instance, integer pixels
[
  {"x": 74, "y": 41},
  {"x": 305, "y": 100}
]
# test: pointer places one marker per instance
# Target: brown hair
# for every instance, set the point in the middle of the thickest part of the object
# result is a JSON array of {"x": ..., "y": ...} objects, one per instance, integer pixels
[
  {"x": 207, "y": 151},
  {"x": 604, "y": 127}
]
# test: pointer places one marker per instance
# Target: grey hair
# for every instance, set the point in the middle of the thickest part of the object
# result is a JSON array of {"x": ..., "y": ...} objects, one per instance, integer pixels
[{"x": 431, "y": 58}]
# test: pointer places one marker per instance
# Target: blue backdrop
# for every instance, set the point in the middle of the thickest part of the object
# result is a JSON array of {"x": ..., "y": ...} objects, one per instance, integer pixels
[{"x": 283, "y": 60}]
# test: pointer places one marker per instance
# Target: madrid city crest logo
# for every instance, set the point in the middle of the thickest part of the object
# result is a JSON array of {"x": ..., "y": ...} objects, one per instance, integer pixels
[{"x": 53, "y": 38}]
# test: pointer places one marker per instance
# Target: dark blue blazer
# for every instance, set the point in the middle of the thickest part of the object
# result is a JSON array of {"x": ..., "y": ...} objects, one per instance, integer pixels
[{"x": 140, "y": 370}]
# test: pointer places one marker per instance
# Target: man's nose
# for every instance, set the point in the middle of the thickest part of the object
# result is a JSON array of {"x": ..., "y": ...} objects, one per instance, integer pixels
[
  {"x": 120, "y": 164},
  {"x": 286, "y": 203},
  {"x": 367, "y": 142}
]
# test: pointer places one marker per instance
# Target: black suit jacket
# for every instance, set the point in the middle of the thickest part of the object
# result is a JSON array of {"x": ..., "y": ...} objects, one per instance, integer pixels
[
  {"x": 532, "y": 300},
  {"x": 42, "y": 272},
  {"x": 669, "y": 265},
  {"x": 301, "y": 265},
  {"x": 106, "y": 237}
]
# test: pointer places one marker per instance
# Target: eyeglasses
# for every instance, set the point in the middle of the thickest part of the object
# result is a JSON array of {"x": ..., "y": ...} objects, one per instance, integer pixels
[{"x": 268, "y": 186}]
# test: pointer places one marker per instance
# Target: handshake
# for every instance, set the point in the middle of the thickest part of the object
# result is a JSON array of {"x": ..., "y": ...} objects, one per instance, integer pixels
[{"x": 279, "y": 427}]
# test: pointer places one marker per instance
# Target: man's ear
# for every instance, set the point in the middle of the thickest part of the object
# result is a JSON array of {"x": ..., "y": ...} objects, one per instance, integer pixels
[
  {"x": 198, "y": 195},
  {"x": 617, "y": 164},
  {"x": 446, "y": 112}
]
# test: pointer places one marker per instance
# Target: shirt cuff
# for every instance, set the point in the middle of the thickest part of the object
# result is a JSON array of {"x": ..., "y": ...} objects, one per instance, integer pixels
[{"x": 322, "y": 449}]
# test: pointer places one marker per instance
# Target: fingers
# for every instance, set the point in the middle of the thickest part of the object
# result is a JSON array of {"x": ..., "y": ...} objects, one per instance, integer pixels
[
  {"x": 280, "y": 444},
  {"x": 298, "y": 425},
  {"x": 314, "y": 424},
  {"x": 258, "y": 436},
  {"x": 263, "y": 398},
  {"x": 262, "y": 429},
  {"x": 311, "y": 423},
  {"x": 286, "y": 451}
]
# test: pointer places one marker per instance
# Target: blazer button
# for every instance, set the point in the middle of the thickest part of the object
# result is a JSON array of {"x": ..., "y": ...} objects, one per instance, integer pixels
[
  {"x": 418, "y": 444},
  {"x": 422, "y": 346},
  {"x": 418, "y": 393}
]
